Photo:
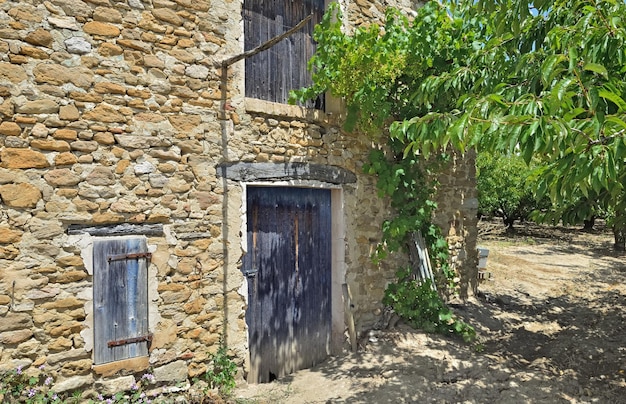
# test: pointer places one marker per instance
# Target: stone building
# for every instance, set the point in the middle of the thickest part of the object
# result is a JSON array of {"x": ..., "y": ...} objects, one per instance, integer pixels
[{"x": 133, "y": 168}]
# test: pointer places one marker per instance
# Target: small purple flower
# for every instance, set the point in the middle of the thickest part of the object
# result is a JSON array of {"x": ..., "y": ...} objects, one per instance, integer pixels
[
  {"x": 32, "y": 392},
  {"x": 148, "y": 376},
  {"x": 100, "y": 397},
  {"x": 109, "y": 401},
  {"x": 55, "y": 397},
  {"x": 134, "y": 387},
  {"x": 19, "y": 370},
  {"x": 48, "y": 381},
  {"x": 42, "y": 367},
  {"x": 142, "y": 395}
]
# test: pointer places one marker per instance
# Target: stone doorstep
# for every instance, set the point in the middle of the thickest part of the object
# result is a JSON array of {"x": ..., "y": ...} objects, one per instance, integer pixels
[{"x": 132, "y": 365}]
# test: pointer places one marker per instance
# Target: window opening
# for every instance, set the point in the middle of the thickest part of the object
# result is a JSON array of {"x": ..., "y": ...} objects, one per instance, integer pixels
[{"x": 271, "y": 74}]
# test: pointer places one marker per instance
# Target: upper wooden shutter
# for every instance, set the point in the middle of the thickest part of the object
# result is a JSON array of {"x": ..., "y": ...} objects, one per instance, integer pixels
[
  {"x": 120, "y": 288},
  {"x": 271, "y": 74}
]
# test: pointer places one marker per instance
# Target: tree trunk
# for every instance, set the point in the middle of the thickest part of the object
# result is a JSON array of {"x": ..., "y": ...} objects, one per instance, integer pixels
[
  {"x": 589, "y": 223},
  {"x": 619, "y": 228},
  {"x": 508, "y": 222},
  {"x": 619, "y": 232}
]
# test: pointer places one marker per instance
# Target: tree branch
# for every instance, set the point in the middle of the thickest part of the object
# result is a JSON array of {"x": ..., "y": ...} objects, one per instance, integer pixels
[{"x": 266, "y": 45}]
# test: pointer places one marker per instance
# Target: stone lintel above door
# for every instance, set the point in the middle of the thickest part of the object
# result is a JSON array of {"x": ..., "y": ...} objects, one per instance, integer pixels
[{"x": 241, "y": 171}]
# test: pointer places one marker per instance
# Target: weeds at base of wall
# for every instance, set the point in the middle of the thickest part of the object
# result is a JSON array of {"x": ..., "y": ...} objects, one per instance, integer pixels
[
  {"x": 37, "y": 387},
  {"x": 423, "y": 308},
  {"x": 221, "y": 373}
]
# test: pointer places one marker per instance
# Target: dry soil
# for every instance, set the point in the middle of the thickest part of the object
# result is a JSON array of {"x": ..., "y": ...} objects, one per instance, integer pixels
[{"x": 551, "y": 327}]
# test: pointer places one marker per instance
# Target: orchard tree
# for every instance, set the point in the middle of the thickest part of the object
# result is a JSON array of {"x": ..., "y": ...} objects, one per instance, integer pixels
[
  {"x": 506, "y": 185},
  {"x": 542, "y": 79}
]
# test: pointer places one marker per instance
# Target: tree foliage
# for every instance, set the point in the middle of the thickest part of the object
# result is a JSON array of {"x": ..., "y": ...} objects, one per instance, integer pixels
[
  {"x": 543, "y": 79},
  {"x": 506, "y": 186}
]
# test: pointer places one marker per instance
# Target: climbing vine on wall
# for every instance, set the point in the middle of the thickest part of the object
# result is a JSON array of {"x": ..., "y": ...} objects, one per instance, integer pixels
[{"x": 368, "y": 69}]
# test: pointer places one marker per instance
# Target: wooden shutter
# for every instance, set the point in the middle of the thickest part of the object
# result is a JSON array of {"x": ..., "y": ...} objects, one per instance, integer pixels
[
  {"x": 271, "y": 74},
  {"x": 120, "y": 288}
]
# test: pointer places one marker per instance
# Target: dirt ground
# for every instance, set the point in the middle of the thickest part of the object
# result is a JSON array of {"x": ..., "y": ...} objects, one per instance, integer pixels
[{"x": 551, "y": 326}]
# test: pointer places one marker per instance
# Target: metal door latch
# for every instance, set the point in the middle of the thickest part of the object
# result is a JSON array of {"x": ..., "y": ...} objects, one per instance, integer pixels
[{"x": 250, "y": 272}]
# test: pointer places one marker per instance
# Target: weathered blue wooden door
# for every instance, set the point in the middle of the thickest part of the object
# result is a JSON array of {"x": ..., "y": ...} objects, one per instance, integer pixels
[{"x": 288, "y": 266}]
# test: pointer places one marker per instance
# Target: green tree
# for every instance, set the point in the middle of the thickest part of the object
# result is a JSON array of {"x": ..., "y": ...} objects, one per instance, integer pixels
[
  {"x": 545, "y": 79},
  {"x": 505, "y": 187}
]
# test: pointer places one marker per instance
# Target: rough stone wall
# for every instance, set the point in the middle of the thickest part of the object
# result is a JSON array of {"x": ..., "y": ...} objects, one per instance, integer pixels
[
  {"x": 457, "y": 216},
  {"x": 108, "y": 115},
  {"x": 111, "y": 112}
]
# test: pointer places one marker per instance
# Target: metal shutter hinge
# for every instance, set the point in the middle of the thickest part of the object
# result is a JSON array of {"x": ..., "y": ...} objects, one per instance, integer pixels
[
  {"x": 127, "y": 341},
  {"x": 129, "y": 256}
]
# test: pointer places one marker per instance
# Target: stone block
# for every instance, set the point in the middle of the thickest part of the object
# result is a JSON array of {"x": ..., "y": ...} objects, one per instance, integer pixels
[
  {"x": 30, "y": 52},
  {"x": 73, "y": 383},
  {"x": 43, "y": 106},
  {"x": 104, "y": 113},
  {"x": 101, "y": 29},
  {"x": 70, "y": 355},
  {"x": 68, "y": 303},
  {"x": 15, "y": 337},
  {"x": 13, "y": 73},
  {"x": 64, "y": 159},
  {"x": 16, "y": 321},
  {"x": 43, "y": 230},
  {"x": 109, "y": 88},
  {"x": 8, "y": 236},
  {"x": 141, "y": 46},
  {"x": 10, "y": 129},
  {"x": 31, "y": 347},
  {"x": 22, "y": 158},
  {"x": 51, "y": 145},
  {"x": 107, "y": 14},
  {"x": 78, "y": 367},
  {"x": 195, "y": 306},
  {"x": 20, "y": 195},
  {"x": 167, "y": 15},
  {"x": 101, "y": 176},
  {"x": 39, "y": 37},
  {"x": 62, "y": 177},
  {"x": 112, "y": 386},
  {"x": 46, "y": 292},
  {"x": 70, "y": 277},
  {"x": 172, "y": 372},
  {"x": 60, "y": 344},
  {"x": 66, "y": 134},
  {"x": 77, "y": 45},
  {"x": 85, "y": 146}
]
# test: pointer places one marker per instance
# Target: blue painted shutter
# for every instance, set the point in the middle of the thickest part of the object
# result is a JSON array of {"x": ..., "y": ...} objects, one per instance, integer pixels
[{"x": 120, "y": 287}]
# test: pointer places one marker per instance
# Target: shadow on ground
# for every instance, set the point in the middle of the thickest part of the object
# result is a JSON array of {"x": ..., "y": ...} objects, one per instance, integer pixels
[{"x": 566, "y": 344}]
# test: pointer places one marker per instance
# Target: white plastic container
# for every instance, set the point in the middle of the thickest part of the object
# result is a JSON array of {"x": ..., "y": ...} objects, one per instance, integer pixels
[{"x": 483, "y": 253}]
